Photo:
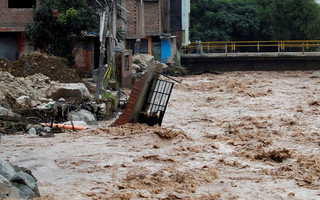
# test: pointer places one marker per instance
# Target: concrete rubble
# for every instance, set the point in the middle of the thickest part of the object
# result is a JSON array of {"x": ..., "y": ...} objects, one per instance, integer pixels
[
  {"x": 67, "y": 91},
  {"x": 141, "y": 62},
  {"x": 25, "y": 95},
  {"x": 29, "y": 91},
  {"x": 33, "y": 97}
]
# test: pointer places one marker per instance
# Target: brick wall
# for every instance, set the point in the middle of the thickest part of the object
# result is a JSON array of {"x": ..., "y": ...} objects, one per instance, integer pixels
[
  {"x": 179, "y": 35},
  {"x": 14, "y": 19},
  {"x": 84, "y": 57},
  {"x": 24, "y": 46},
  {"x": 132, "y": 18},
  {"x": 124, "y": 68},
  {"x": 152, "y": 18},
  {"x": 126, "y": 116}
]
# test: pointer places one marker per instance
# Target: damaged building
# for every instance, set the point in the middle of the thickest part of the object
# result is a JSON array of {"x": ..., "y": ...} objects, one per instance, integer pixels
[{"x": 159, "y": 28}]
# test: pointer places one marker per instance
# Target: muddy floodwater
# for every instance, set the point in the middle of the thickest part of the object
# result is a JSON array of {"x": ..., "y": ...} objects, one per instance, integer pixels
[{"x": 235, "y": 135}]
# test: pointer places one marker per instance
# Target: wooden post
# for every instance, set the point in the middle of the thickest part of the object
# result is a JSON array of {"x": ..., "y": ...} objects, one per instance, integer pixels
[{"x": 226, "y": 49}]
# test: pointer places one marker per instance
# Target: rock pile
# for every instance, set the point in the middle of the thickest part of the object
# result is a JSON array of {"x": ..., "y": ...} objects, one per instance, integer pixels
[
  {"x": 18, "y": 93},
  {"x": 17, "y": 182},
  {"x": 35, "y": 88}
]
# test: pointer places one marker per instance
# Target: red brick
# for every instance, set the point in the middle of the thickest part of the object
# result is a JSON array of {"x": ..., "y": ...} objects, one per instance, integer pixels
[
  {"x": 125, "y": 117},
  {"x": 15, "y": 19}
]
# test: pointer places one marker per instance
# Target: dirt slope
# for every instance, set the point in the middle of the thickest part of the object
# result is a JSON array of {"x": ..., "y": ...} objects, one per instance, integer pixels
[{"x": 35, "y": 63}]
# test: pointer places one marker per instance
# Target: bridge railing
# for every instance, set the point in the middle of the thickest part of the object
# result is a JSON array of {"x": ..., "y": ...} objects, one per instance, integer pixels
[{"x": 254, "y": 46}]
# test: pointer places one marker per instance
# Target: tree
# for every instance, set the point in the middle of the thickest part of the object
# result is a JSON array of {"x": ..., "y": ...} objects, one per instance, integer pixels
[
  {"x": 255, "y": 19},
  {"x": 245, "y": 25},
  {"x": 57, "y": 23},
  {"x": 289, "y": 20},
  {"x": 224, "y": 19}
]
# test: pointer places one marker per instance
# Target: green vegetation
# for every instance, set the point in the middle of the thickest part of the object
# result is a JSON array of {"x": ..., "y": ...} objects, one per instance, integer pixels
[
  {"x": 255, "y": 20},
  {"x": 57, "y": 23}
]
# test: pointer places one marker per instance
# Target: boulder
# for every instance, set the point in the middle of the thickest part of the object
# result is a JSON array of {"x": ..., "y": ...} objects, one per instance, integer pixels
[
  {"x": 82, "y": 115},
  {"x": 47, "y": 129},
  {"x": 102, "y": 111},
  {"x": 6, "y": 77},
  {"x": 68, "y": 91},
  {"x": 6, "y": 170},
  {"x": 164, "y": 66},
  {"x": 17, "y": 182},
  {"x": 32, "y": 131},
  {"x": 77, "y": 123},
  {"x": 5, "y": 187},
  {"x": 6, "y": 114},
  {"x": 21, "y": 191},
  {"x": 26, "y": 183},
  {"x": 24, "y": 101}
]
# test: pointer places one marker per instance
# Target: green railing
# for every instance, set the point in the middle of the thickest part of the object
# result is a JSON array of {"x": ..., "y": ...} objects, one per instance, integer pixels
[{"x": 254, "y": 46}]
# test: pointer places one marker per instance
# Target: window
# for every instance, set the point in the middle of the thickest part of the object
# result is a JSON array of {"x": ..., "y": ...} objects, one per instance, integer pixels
[
  {"x": 21, "y": 3},
  {"x": 126, "y": 63}
]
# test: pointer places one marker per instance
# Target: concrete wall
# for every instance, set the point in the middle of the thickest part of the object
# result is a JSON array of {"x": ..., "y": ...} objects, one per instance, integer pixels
[
  {"x": 185, "y": 17},
  {"x": 202, "y": 64}
]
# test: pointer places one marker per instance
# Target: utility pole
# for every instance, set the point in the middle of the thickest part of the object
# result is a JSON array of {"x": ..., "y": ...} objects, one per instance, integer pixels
[
  {"x": 114, "y": 36},
  {"x": 102, "y": 34},
  {"x": 112, "y": 27},
  {"x": 108, "y": 21}
]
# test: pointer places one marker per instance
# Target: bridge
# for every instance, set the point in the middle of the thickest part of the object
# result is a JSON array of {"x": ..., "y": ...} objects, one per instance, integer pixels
[{"x": 252, "y": 55}]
